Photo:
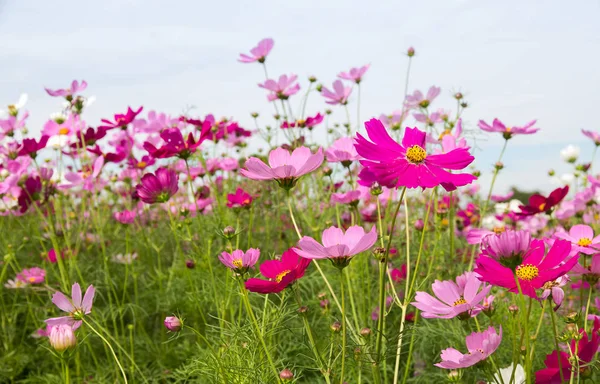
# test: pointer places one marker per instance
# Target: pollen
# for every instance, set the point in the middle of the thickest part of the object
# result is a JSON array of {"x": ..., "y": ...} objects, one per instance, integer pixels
[
  {"x": 584, "y": 242},
  {"x": 282, "y": 275},
  {"x": 416, "y": 154},
  {"x": 542, "y": 206},
  {"x": 238, "y": 263},
  {"x": 461, "y": 300},
  {"x": 63, "y": 131},
  {"x": 527, "y": 272}
]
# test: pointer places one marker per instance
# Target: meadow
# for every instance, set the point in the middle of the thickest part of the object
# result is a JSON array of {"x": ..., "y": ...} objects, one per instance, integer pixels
[{"x": 156, "y": 248}]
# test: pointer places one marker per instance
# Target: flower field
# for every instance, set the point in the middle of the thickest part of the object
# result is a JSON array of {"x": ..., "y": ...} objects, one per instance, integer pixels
[{"x": 316, "y": 246}]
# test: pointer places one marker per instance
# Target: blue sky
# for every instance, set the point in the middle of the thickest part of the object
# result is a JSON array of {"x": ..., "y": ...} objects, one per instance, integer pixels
[{"x": 515, "y": 60}]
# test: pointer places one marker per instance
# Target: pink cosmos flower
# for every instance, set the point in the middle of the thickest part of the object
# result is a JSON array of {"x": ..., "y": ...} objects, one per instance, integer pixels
[
  {"x": 337, "y": 246},
  {"x": 417, "y": 100},
  {"x": 408, "y": 164},
  {"x": 281, "y": 89},
  {"x": 125, "y": 217},
  {"x": 310, "y": 122},
  {"x": 76, "y": 88},
  {"x": 591, "y": 273},
  {"x": 159, "y": 187},
  {"x": 536, "y": 268},
  {"x": 61, "y": 337},
  {"x": 502, "y": 198},
  {"x": 175, "y": 145},
  {"x": 240, "y": 261},
  {"x": 121, "y": 120},
  {"x": 393, "y": 121},
  {"x": 355, "y": 74},
  {"x": 350, "y": 197},
  {"x": 554, "y": 290},
  {"x": 258, "y": 53},
  {"x": 342, "y": 151},
  {"x": 339, "y": 95},
  {"x": 281, "y": 273},
  {"x": 582, "y": 239},
  {"x": 480, "y": 347},
  {"x": 239, "y": 199},
  {"x": 430, "y": 120},
  {"x": 506, "y": 246},
  {"x": 87, "y": 178},
  {"x": 65, "y": 128},
  {"x": 11, "y": 124},
  {"x": 285, "y": 168},
  {"x": 595, "y": 136},
  {"x": 460, "y": 299},
  {"x": 33, "y": 275},
  {"x": 75, "y": 307},
  {"x": 143, "y": 163},
  {"x": 508, "y": 132}
]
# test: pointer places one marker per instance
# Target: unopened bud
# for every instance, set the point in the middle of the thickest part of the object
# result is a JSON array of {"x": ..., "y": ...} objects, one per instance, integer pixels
[
  {"x": 513, "y": 309},
  {"x": 312, "y": 79},
  {"x": 286, "y": 375},
  {"x": 173, "y": 323},
  {"x": 376, "y": 189},
  {"x": 336, "y": 326},
  {"x": 303, "y": 309},
  {"x": 62, "y": 337},
  {"x": 410, "y": 52},
  {"x": 499, "y": 165},
  {"x": 327, "y": 171},
  {"x": 365, "y": 332},
  {"x": 419, "y": 224},
  {"x": 190, "y": 264},
  {"x": 551, "y": 172},
  {"x": 458, "y": 95}
]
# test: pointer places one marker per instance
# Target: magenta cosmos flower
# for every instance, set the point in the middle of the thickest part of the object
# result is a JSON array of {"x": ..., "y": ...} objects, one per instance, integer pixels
[
  {"x": 281, "y": 273},
  {"x": 582, "y": 238},
  {"x": 354, "y": 74},
  {"x": 240, "y": 261},
  {"x": 281, "y": 89},
  {"x": 339, "y": 95},
  {"x": 595, "y": 136},
  {"x": 417, "y": 99},
  {"x": 285, "y": 168},
  {"x": 31, "y": 147},
  {"x": 479, "y": 344},
  {"x": 508, "y": 132},
  {"x": 339, "y": 247},
  {"x": 239, "y": 199},
  {"x": 258, "y": 53},
  {"x": 173, "y": 323},
  {"x": 121, "y": 119},
  {"x": 159, "y": 187},
  {"x": 460, "y": 299},
  {"x": 342, "y": 151},
  {"x": 175, "y": 145},
  {"x": 533, "y": 269},
  {"x": 33, "y": 275},
  {"x": 76, "y": 87},
  {"x": 408, "y": 164},
  {"x": 125, "y": 217},
  {"x": 75, "y": 306}
]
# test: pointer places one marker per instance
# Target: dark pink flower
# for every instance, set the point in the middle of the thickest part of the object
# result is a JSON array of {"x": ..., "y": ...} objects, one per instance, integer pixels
[
  {"x": 258, "y": 53},
  {"x": 239, "y": 199},
  {"x": 538, "y": 203},
  {"x": 159, "y": 187},
  {"x": 68, "y": 93},
  {"x": 31, "y": 147},
  {"x": 408, "y": 164},
  {"x": 175, "y": 145},
  {"x": 121, "y": 120},
  {"x": 281, "y": 273}
]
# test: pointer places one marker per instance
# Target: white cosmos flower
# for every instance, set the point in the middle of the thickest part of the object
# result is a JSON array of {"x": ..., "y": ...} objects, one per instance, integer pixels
[
  {"x": 506, "y": 373},
  {"x": 570, "y": 153}
]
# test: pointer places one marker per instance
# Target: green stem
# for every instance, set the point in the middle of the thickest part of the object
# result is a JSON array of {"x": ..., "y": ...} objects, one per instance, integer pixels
[
  {"x": 587, "y": 308},
  {"x": 109, "y": 347},
  {"x": 342, "y": 293}
]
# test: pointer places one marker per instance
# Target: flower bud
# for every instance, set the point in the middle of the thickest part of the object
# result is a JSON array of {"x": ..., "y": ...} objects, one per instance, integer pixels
[
  {"x": 190, "y": 264},
  {"x": 376, "y": 189},
  {"x": 365, "y": 332},
  {"x": 312, "y": 79},
  {"x": 319, "y": 87},
  {"x": 419, "y": 224},
  {"x": 499, "y": 165},
  {"x": 173, "y": 323},
  {"x": 62, "y": 337},
  {"x": 229, "y": 231},
  {"x": 458, "y": 95},
  {"x": 572, "y": 318},
  {"x": 327, "y": 171},
  {"x": 336, "y": 326},
  {"x": 410, "y": 52},
  {"x": 286, "y": 375},
  {"x": 513, "y": 309},
  {"x": 551, "y": 172},
  {"x": 454, "y": 376},
  {"x": 303, "y": 309},
  {"x": 477, "y": 173},
  {"x": 254, "y": 114}
]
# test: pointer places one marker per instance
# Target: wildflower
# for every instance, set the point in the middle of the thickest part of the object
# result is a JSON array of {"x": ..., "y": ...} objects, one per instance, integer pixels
[
  {"x": 585, "y": 350},
  {"x": 173, "y": 323},
  {"x": 310, "y": 122},
  {"x": 582, "y": 239},
  {"x": 281, "y": 89},
  {"x": 480, "y": 346},
  {"x": 339, "y": 247},
  {"x": 591, "y": 273},
  {"x": 508, "y": 132},
  {"x": 62, "y": 337},
  {"x": 158, "y": 187},
  {"x": 570, "y": 153},
  {"x": 33, "y": 275},
  {"x": 15, "y": 284},
  {"x": 240, "y": 261},
  {"x": 13, "y": 109},
  {"x": 507, "y": 247},
  {"x": 339, "y": 95},
  {"x": 460, "y": 299},
  {"x": 127, "y": 258},
  {"x": 285, "y": 168},
  {"x": 417, "y": 100},
  {"x": 532, "y": 269},
  {"x": 258, "y": 53},
  {"x": 175, "y": 145},
  {"x": 239, "y": 199},
  {"x": 68, "y": 93},
  {"x": 31, "y": 147},
  {"x": 121, "y": 120},
  {"x": 125, "y": 217},
  {"x": 342, "y": 151},
  {"x": 553, "y": 289},
  {"x": 502, "y": 198},
  {"x": 354, "y": 74},
  {"x": 281, "y": 273},
  {"x": 75, "y": 307},
  {"x": 351, "y": 197},
  {"x": 518, "y": 377},
  {"x": 408, "y": 164},
  {"x": 595, "y": 136},
  {"x": 538, "y": 203}
]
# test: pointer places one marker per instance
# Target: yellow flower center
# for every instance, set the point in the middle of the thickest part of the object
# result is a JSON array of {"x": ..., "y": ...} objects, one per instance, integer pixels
[
  {"x": 238, "y": 263},
  {"x": 542, "y": 206},
  {"x": 584, "y": 242},
  {"x": 416, "y": 154},
  {"x": 445, "y": 133},
  {"x": 282, "y": 275},
  {"x": 460, "y": 301},
  {"x": 63, "y": 131},
  {"x": 499, "y": 230},
  {"x": 141, "y": 164},
  {"x": 31, "y": 279},
  {"x": 301, "y": 122},
  {"x": 527, "y": 272},
  {"x": 508, "y": 129}
]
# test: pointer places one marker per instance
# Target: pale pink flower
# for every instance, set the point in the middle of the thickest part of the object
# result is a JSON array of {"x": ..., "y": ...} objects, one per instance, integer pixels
[
  {"x": 33, "y": 275},
  {"x": 582, "y": 238},
  {"x": 75, "y": 88},
  {"x": 281, "y": 89},
  {"x": 554, "y": 289},
  {"x": 417, "y": 99},
  {"x": 480, "y": 346},
  {"x": 258, "y": 53},
  {"x": 76, "y": 307},
  {"x": 342, "y": 151},
  {"x": 339, "y": 95},
  {"x": 354, "y": 74},
  {"x": 351, "y": 197},
  {"x": 239, "y": 261}
]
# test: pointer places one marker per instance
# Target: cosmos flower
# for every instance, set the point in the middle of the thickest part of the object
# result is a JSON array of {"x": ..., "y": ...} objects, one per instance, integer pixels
[
  {"x": 408, "y": 164},
  {"x": 239, "y": 199},
  {"x": 175, "y": 145},
  {"x": 258, "y": 53},
  {"x": 121, "y": 120},
  {"x": 68, "y": 93},
  {"x": 158, "y": 187},
  {"x": 582, "y": 239},
  {"x": 417, "y": 100},
  {"x": 310, "y": 122},
  {"x": 553, "y": 289},
  {"x": 339, "y": 95},
  {"x": 62, "y": 337},
  {"x": 350, "y": 197},
  {"x": 33, "y": 275},
  {"x": 125, "y": 217},
  {"x": 595, "y": 136},
  {"x": 502, "y": 198},
  {"x": 75, "y": 306},
  {"x": 342, "y": 151},
  {"x": 508, "y": 132},
  {"x": 354, "y": 74},
  {"x": 480, "y": 346},
  {"x": 538, "y": 203},
  {"x": 570, "y": 153},
  {"x": 31, "y": 147},
  {"x": 281, "y": 273},
  {"x": 281, "y": 89},
  {"x": 240, "y": 261}
]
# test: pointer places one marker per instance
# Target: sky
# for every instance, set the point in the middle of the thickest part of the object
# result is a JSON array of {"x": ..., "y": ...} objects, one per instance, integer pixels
[{"x": 514, "y": 60}]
